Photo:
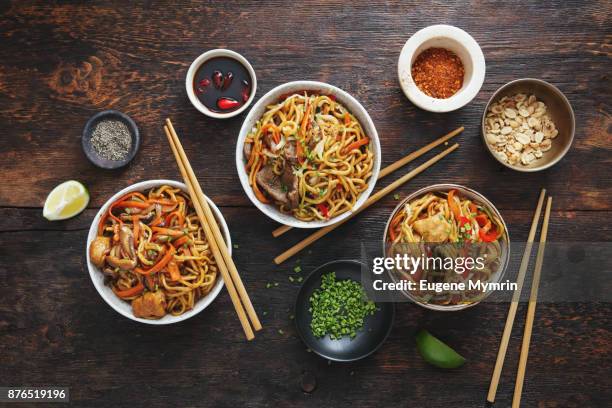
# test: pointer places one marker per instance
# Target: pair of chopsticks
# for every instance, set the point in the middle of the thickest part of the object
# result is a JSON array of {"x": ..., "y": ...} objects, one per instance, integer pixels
[
  {"x": 520, "y": 375},
  {"x": 380, "y": 194},
  {"x": 233, "y": 282}
]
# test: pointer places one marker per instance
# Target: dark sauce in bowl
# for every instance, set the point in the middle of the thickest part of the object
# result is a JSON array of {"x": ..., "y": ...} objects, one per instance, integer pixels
[{"x": 222, "y": 84}]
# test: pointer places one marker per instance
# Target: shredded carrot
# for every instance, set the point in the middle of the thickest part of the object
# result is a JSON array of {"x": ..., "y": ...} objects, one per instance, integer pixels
[
  {"x": 357, "y": 144},
  {"x": 162, "y": 202},
  {"x": 150, "y": 281},
  {"x": 160, "y": 265},
  {"x": 102, "y": 223},
  {"x": 136, "y": 290},
  {"x": 305, "y": 119},
  {"x": 168, "y": 231},
  {"x": 116, "y": 232},
  {"x": 157, "y": 221},
  {"x": 473, "y": 208},
  {"x": 299, "y": 151},
  {"x": 275, "y": 131},
  {"x": 136, "y": 222},
  {"x": 347, "y": 118},
  {"x": 252, "y": 156},
  {"x": 139, "y": 195},
  {"x": 452, "y": 204},
  {"x": 178, "y": 215},
  {"x": 393, "y": 226},
  {"x": 174, "y": 271},
  {"x": 132, "y": 204},
  {"x": 260, "y": 196},
  {"x": 180, "y": 241}
]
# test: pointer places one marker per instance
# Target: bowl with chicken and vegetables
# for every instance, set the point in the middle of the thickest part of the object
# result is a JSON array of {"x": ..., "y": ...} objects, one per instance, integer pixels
[
  {"x": 458, "y": 244},
  {"x": 308, "y": 154},
  {"x": 148, "y": 256}
]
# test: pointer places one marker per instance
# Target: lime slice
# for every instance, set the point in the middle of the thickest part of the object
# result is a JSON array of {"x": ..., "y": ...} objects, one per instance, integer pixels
[
  {"x": 436, "y": 352},
  {"x": 65, "y": 201}
]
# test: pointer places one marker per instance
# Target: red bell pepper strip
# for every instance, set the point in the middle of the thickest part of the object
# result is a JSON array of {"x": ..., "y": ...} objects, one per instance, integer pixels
[{"x": 324, "y": 210}]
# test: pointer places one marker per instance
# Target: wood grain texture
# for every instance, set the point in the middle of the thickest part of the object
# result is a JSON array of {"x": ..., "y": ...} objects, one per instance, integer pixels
[{"x": 60, "y": 62}]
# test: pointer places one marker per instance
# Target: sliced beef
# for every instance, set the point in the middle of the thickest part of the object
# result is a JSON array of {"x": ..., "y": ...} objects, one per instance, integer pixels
[
  {"x": 247, "y": 149},
  {"x": 272, "y": 185},
  {"x": 290, "y": 152},
  {"x": 282, "y": 189},
  {"x": 291, "y": 182}
]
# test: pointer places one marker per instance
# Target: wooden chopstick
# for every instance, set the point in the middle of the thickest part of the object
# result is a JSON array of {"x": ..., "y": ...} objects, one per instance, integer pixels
[
  {"x": 373, "y": 199},
  {"x": 533, "y": 299},
  {"x": 246, "y": 326},
  {"x": 211, "y": 229},
  {"x": 393, "y": 166},
  {"x": 235, "y": 276},
  {"x": 503, "y": 347}
]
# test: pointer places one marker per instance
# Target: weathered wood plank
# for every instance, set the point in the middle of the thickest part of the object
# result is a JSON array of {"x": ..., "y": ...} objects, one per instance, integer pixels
[
  {"x": 61, "y": 64},
  {"x": 53, "y": 315}
]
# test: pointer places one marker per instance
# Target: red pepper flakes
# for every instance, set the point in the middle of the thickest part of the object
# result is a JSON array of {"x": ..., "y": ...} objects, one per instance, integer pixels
[{"x": 438, "y": 72}]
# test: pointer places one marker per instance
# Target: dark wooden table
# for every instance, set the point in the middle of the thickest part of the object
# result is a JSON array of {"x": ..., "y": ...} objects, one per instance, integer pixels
[{"x": 61, "y": 63}]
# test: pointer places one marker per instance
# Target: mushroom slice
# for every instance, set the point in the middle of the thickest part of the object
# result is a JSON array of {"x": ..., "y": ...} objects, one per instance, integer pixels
[{"x": 98, "y": 250}]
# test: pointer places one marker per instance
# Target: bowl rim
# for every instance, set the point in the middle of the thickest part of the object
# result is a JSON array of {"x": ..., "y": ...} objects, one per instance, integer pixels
[
  {"x": 461, "y": 98},
  {"x": 88, "y": 148},
  {"x": 443, "y": 187},
  {"x": 110, "y": 298},
  {"x": 201, "y": 59},
  {"x": 311, "y": 275},
  {"x": 555, "y": 91},
  {"x": 346, "y": 99}
]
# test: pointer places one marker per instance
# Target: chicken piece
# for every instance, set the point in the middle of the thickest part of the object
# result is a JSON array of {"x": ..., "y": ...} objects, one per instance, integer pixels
[
  {"x": 433, "y": 229},
  {"x": 99, "y": 248},
  {"x": 151, "y": 305}
]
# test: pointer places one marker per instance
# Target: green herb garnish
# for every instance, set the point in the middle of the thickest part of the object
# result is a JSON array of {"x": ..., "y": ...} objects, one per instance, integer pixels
[{"x": 339, "y": 307}]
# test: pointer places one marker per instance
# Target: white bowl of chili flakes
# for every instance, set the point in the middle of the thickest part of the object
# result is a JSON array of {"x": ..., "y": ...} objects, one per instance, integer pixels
[{"x": 441, "y": 68}]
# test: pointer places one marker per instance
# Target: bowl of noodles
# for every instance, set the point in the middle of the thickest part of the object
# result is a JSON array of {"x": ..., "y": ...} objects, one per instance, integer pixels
[
  {"x": 148, "y": 256},
  {"x": 457, "y": 238},
  {"x": 308, "y": 154}
]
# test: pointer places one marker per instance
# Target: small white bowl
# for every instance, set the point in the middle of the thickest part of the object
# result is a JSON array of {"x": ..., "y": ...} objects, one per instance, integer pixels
[
  {"x": 453, "y": 39},
  {"x": 193, "y": 69},
  {"x": 124, "y": 307},
  {"x": 274, "y": 96}
]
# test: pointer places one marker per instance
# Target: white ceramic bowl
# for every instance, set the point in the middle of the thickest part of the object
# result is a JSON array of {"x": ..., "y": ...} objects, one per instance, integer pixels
[
  {"x": 453, "y": 39},
  {"x": 274, "y": 96},
  {"x": 106, "y": 292},
  {"x": 219, "y": 52}
]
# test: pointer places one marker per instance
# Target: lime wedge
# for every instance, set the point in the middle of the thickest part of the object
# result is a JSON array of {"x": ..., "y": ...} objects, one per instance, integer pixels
[
  {"x": 65, "y": 201},
  {"x": 436, "y": 352}
]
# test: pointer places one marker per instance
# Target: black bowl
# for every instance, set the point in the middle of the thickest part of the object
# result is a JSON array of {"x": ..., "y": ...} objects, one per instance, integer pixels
[
  {"x": 91, "y": 125},
  {"x": 370, "y": 337}
]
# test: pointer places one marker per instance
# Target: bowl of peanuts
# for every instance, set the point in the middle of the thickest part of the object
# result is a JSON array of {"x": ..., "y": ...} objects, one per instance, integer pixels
[{"x": 528, "y": 125}]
